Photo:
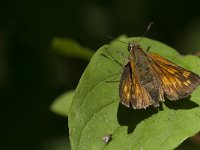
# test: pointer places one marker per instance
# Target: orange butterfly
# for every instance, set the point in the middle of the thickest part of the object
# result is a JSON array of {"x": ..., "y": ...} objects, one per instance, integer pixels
[{"x": 147, "y": 77}]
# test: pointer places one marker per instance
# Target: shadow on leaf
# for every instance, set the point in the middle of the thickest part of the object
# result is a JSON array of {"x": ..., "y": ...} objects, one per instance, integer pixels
[
  {"x": 185, "y": 103},
  {"x": 131, "y": 117}
]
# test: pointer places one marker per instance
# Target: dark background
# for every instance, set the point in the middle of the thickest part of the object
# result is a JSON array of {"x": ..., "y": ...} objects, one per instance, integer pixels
[{"x": 32, "y": 75}]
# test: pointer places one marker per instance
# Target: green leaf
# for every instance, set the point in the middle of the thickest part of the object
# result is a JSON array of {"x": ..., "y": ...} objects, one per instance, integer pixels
[
  {"x": 62, "y": 104},
  {"x": 96, "y": 110},
  {"x": 69, "y": 47}
]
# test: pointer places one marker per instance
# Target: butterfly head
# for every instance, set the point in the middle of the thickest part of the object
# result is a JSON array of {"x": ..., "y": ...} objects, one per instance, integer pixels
[{"x": 133, "y": 46}]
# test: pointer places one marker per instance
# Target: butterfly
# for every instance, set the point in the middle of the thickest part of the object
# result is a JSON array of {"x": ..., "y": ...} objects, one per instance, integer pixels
[{"x": 148, "y": 77}]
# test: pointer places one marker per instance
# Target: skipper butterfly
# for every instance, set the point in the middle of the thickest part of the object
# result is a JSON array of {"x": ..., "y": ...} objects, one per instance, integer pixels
[{"x": 147, "y": 77}]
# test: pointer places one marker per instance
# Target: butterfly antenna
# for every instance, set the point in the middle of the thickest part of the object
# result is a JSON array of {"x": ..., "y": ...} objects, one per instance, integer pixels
[
  {"x": 110, "y": 37},
  {"x": 147, "y": 30}
]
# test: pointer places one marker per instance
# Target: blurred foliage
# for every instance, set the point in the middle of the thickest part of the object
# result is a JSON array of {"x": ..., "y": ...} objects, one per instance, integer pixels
[
  {"x": 62, "y": 104},
  {"x": 58, "y": 143},
  {"x": 188, "y": 40},
  {"x": 70, "y": 48}
]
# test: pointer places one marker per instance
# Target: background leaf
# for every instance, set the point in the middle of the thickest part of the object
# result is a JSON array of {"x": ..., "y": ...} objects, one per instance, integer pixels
[
  {"x": 62, "y": 104},
  {"x": 96, "y": 110},
  {"x": 69, "y": 47}
]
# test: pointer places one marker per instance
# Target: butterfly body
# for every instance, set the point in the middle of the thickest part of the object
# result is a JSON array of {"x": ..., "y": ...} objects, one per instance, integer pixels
[{"x": 147, "y": 77}]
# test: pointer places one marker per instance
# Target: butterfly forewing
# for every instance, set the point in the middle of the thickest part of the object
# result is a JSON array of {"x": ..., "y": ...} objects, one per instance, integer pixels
[
  {"x": 126, "y": 86},
  {"x": 176, "y": 81}
]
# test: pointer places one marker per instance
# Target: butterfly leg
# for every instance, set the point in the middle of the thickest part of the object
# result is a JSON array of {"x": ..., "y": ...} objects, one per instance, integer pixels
[
  {"x": 112, "y": 58},
  {"x": 148, "y": 48}
]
